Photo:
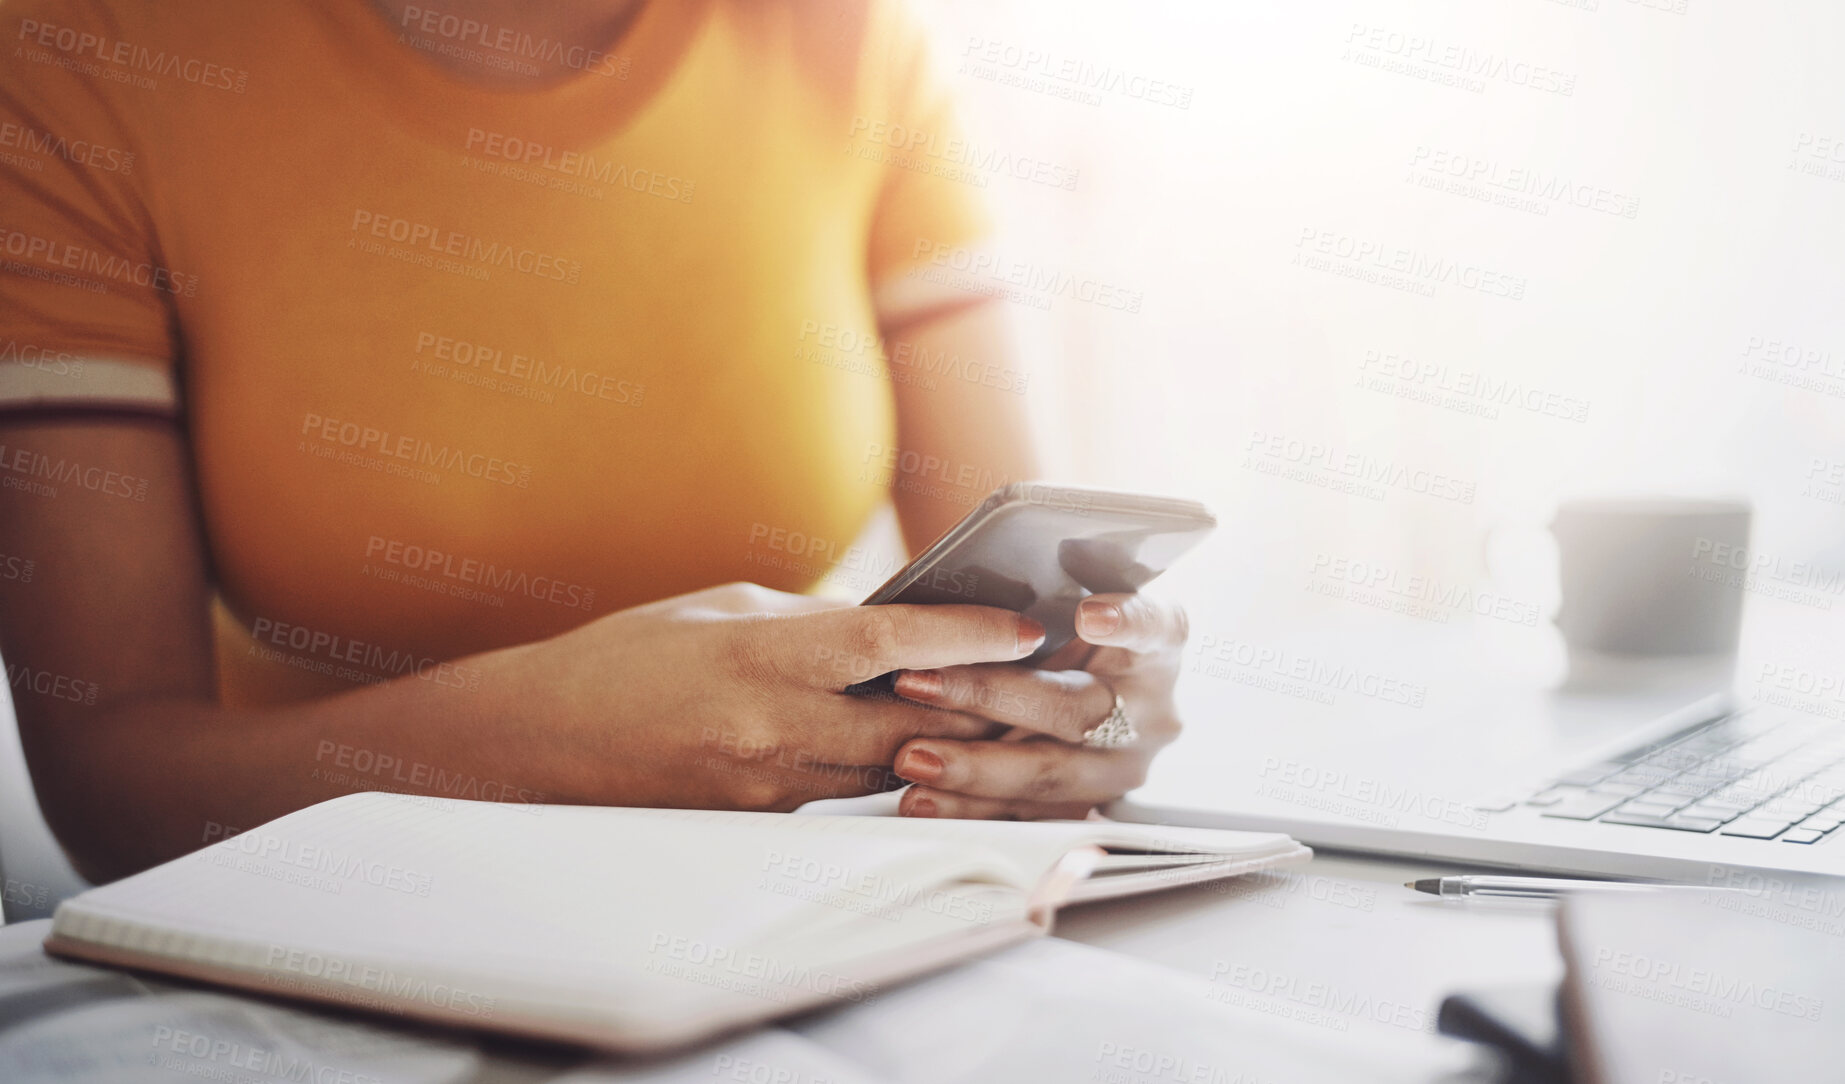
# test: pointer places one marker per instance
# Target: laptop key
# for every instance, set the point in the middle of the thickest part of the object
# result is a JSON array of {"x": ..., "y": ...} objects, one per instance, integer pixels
[
  {"x": 1756, "y": 828},
  {"x": 1644, "y": 820},
  {"x": 1738, "y": 797},
  {"x": 1584, "y": 807},
  {"x": 1686, "y": 822},
  {"x": 1720, "y": 815},
  {"x": 1677, "y": 822},
  {"x": 1644, "y": 774},
  {"x": 1624, "y": 790},
  {"x": 1803, "y": 835},
  {"x": 1644, "y": 808},
  {"x": 1588, "y": 773},
  {"x": 1686, "y": 789}
]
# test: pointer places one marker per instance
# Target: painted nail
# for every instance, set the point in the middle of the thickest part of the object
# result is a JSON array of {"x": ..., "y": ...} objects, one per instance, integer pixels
[
  {"x": 920, "y": 766},
  {"x": 923, "y": 685},
  {"x": 1031, "y": 634},
  {"x": 921, "y": 807},
  {"x": 1099, "y": 618}
]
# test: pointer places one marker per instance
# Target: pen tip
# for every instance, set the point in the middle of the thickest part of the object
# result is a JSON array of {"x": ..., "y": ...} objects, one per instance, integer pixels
[{"x": 1431, "y": 885}]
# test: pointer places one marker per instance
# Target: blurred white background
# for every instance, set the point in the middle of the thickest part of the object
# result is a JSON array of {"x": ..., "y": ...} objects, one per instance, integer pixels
[{"x": 1661, "y": 181}]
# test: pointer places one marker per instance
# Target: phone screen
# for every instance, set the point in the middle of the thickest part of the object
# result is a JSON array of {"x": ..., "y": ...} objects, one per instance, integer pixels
[{"x": 1039, "y": 550}]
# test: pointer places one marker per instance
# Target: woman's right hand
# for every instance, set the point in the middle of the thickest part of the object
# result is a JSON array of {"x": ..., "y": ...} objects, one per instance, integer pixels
[
  {"x": 726, "y": 698},
  {"x": 732, "y": 697}
]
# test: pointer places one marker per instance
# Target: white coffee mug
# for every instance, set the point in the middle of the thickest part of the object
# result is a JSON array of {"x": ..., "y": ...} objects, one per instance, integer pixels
[{"x": 1630, "y": 576}]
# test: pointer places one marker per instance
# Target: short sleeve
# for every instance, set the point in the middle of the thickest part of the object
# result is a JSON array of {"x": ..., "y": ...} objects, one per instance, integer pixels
[
  {"x": 930, "y": 199},
  {"x": 87, "y": 312}
]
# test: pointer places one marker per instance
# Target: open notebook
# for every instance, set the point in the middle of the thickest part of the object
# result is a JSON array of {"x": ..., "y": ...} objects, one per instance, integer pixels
[{"x": 626, "y": 929}]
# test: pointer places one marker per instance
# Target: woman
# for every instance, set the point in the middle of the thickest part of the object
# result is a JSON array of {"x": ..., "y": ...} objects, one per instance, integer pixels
[{"x": 387, "y": 385}]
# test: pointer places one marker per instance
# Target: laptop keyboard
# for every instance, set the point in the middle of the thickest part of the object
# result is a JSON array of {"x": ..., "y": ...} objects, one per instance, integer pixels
[{"x": 1750, "y": 775}]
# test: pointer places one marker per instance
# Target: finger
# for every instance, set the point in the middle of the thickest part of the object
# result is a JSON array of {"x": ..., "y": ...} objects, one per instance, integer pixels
[
  {"x": 806, "y": 604},
  {"x": 783, "y": 787},
  {"x": 1064, "y": 704},
  {"x": 1040, "y": 771},
  {"x": 861, "y": 730},
  {"x": 1073, "y": 655},
  {"x": 754, "y": 774},
  {"x": 861, "y": 642},
  {"x": 920, "y": 801},
  {"x": 1134, "y": 622},
  {"x": 753, "y": 598},
  {"x": 828, "y": 759}
]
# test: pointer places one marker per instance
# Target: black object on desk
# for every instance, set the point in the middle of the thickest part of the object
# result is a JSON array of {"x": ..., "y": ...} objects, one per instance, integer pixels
[{"x": 1520, "y": 1022}]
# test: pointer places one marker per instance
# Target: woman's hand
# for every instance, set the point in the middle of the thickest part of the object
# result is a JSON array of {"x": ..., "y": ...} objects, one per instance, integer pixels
[
  {"x": 731, "y": 697},
  {"x": 1128, "y": 645}
]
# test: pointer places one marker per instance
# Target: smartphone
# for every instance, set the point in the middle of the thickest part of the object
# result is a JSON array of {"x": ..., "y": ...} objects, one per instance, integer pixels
[{"x": 1039, "y": 549}]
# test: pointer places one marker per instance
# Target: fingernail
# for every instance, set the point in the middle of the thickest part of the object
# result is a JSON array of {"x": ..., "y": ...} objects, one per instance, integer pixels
[
  {"x": 920, "y": 766},
  {"x": 921, "y": 807},
  {"x": 1031, "y": 634},
  {"x": 920, "y": 685},
  {"x": 1099, "y": 618}
]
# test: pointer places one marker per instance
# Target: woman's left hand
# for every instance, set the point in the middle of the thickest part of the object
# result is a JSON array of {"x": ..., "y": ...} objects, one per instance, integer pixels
[{"x": 1127, "y": 645}]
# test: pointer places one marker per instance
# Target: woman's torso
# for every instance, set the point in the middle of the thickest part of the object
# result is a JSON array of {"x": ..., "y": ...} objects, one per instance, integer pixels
[{"x": 464, "y": 368}]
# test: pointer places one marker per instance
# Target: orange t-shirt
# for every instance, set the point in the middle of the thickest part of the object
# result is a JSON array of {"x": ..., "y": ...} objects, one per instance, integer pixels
[{"x": 464, "y": 365}]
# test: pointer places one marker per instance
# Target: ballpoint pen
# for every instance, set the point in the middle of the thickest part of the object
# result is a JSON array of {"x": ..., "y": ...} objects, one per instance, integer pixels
[{"x": 1526, "y": 888}]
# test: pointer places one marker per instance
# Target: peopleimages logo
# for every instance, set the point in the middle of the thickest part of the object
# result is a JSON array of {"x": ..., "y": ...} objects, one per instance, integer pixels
[
  {"x": 1034, "y": 284},
  {"x": 462, "y": 246},
  {"x": 190, "y": 1053},
  {"x": 331, "y": 972},
  {"x": 904, "y": 361},
  {"x": 78, "y": 46},
  {"x": 315, "y": 646},
  {"x": 1370, "y": 475},
  {"x": 337, "y": 867},
  {"x": 1225, "y": 657},
  {"x": 1420, "y": 596},
  {"x": 712, "y": 964},
  {"x": 80, "y": 152},
  {"x": 1424, "y": 56},
  {"x": 1368, "y": 791},
  {"x": 587, "y": 167},
  {"x": 915, "y": 144},
  {"x": 1320, "y": 995},
  {"x": 1546, "y": 189},
  {"x": 23, "y": 467},
  {"x": 513, "y": 43},
  {"x": 94, "y": 264},
  {"x": 17, "y": 568},
  {"x": 45, "y": 360},
  {"x": 21, "y": 678},
  {"x": 1029, "y": 66},
  {"x": 1471, "y": 390},
  {"x": 1715, "y": 988},
  {"x": 468, "y": 570},
  {"x": 415, "y": 450},
  {"x": 1414, "y": 267}
]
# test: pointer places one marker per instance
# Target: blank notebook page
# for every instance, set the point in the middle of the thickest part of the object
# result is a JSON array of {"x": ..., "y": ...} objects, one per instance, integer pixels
[{"x": 544, "y": 896}]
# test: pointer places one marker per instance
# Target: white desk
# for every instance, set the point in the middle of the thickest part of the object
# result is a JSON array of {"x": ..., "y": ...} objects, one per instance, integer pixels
[
  {"x": 1339, "y": 949},
  {"x": 1329, "y": 972}
]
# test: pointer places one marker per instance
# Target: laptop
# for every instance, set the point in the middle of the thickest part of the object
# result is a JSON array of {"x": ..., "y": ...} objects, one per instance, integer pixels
[{"x": 1711, "y": 792}]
